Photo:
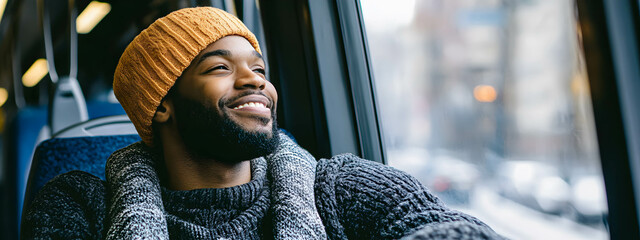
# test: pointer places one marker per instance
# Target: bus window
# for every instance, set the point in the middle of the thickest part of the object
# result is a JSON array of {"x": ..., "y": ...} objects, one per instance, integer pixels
[{"x": 487, "y": 103}]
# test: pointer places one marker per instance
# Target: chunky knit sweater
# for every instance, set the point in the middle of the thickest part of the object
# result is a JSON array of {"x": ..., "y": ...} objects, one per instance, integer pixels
[{"x": 354, "y": 198}]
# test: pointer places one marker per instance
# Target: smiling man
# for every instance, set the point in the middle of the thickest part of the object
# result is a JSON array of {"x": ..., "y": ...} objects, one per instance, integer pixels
[
  {"x": 213, "y": 164},
  {"x": 220, "y": 112}
]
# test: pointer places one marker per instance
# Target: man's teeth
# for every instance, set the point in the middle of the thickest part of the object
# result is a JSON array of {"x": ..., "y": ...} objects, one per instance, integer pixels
[{"x": 251, "y": 104}]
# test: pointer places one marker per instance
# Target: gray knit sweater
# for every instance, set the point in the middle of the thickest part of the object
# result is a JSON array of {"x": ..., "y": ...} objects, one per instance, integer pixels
[{"x": 350, "y": 198}]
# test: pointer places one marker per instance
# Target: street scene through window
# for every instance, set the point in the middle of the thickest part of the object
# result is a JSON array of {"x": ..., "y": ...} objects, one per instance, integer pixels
[{"x": 487, "y": 103}]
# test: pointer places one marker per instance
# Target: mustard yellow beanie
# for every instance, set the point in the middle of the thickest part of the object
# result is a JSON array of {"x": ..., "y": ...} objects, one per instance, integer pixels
[{"x": 155, "y": 59}]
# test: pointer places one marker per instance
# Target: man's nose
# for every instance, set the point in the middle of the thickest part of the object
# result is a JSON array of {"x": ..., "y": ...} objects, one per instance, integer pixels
[{"x": 247, "y": 78}]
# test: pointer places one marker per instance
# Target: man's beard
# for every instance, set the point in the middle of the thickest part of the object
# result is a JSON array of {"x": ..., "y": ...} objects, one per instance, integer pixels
[{"x": 207, "y": 135}]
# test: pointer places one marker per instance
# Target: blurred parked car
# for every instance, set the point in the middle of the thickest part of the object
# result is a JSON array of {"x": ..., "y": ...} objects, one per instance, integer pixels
[
  {"x": 588, "y": 199},
  {"x": 534, "y": 184}
]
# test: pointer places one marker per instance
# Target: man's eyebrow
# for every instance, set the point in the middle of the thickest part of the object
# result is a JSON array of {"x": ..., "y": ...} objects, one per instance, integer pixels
[{"x": 219, "y": 52}]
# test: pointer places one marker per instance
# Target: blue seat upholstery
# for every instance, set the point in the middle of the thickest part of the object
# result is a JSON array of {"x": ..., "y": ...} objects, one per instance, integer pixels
[
  {"x": 99, "y": 109},
  {"x": 60, "y": 155},
  {"x": 25, "y": 130}
]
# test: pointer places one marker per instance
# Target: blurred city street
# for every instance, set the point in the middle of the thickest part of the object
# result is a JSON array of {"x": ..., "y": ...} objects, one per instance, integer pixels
[{"x": 516, "y": 221}]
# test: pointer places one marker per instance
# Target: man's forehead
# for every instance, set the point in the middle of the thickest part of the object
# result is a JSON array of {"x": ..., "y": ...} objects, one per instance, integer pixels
[{"x": 234, "y": 45}]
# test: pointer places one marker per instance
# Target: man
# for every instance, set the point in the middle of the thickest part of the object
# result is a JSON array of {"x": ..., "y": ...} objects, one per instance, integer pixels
[{"x": 213, "y": 164}]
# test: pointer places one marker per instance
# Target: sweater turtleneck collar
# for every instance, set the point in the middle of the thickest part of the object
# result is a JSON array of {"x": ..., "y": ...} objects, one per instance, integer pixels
[{"x": 238, "y": 197}]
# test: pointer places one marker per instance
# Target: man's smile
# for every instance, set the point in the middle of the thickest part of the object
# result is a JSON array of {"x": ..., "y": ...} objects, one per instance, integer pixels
[
  {"x": 251, "y": 104},
  {"x": 254, "y": 104}
]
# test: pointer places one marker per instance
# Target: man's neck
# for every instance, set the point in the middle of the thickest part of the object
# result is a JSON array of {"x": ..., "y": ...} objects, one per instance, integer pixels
[{"x": 186, "y": 173}]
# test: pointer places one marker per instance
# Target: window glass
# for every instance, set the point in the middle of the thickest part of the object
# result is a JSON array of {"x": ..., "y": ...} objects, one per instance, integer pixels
[{"x": 487, "y": 103}]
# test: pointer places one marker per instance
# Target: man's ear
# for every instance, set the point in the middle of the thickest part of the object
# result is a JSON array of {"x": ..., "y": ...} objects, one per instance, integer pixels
[{"x": 164, "y": 112}]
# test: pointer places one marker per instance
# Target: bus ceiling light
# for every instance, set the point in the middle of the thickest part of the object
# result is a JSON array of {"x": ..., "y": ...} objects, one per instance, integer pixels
[
  {"x": 35, "y": 73},
  {"x": 4, "y": 95},
  {"x": 3, "y": 4},
  {"x": 91, "y": 16},
  {"x": 485, "y": 93}
]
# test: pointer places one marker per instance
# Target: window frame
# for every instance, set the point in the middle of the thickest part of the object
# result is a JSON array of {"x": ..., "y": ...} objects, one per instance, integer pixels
[
  {"x": 324, "y": 42},
  {"x": 610, "y": 42},
  {"x": 361, "y": 78}
]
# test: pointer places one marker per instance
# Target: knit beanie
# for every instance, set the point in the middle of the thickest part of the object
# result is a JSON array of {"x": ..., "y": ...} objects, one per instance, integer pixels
[{"x": 154, "y": 60}]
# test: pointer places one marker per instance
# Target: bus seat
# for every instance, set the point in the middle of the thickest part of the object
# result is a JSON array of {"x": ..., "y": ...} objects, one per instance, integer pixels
[
  {"x": 24, "y": 133},
  {"x": 27, "y": 129},
  {"x": 98, "y": 109},
  {"x": 60, "y": 155},
  {"x": 84, "y": 146},
  {"x": 67, "y": 106}
]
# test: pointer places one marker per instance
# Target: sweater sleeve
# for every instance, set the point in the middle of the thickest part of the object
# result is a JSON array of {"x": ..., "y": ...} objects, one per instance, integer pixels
[
  {"x": 70, "y": 206},
  {"x": 362, "y": 199}
]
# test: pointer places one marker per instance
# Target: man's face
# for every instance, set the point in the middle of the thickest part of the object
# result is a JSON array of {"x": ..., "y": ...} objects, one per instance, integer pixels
[{"x": 224, "y": 106}]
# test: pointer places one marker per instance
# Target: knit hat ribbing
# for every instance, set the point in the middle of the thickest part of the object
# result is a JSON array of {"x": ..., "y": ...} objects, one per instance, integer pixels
[{"x": 155, "y": 59}]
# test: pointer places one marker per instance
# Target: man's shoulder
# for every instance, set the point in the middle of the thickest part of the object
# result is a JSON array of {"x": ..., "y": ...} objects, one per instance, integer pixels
[
  {"x": 71, "y": 205},
  {"x": 75, "y": 180},
  {"x": 352, "y": 173},
  {"x": 346, "y": 159},
  {"x": 350, "y": 164},
  {"x": 365, "y": 199},
  {"x": 75, "y": 189}
]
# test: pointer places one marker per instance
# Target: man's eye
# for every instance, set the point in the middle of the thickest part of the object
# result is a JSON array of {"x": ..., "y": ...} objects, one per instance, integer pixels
[
  {"x": 221, "y": 67},
  {"x": 260, "y": 70}
]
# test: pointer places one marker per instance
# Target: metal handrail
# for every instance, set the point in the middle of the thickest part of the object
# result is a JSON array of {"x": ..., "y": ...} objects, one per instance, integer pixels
[{"x": 67, "y": 105}]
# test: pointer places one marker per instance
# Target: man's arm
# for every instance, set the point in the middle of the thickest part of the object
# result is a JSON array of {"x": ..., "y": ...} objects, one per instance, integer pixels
[
  {"x": 70, "y": 206},
  {"x": 368, "y": 200}
]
